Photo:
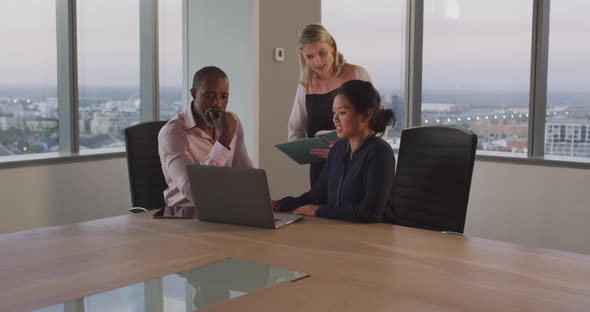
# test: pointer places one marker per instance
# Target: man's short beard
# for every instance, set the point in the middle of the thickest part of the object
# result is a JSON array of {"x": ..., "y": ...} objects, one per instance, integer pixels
[{"x": 210, "y": 116}]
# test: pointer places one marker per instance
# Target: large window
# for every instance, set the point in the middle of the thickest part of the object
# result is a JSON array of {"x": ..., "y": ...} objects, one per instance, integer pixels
[
  {"x": 108, "y": 67},
  {"x": 170, "y": 53},
  {"x": 28, "y": 77},
  {"x": 476, "y": 61},
  {"x": 476, "y": 70},
  {"x": 567, "y": 131},
  {"x": 372, "y": 34}
]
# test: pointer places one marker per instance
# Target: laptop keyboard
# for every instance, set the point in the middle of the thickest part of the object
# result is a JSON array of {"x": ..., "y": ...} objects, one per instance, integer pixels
[{"x": 277, "y": 220}]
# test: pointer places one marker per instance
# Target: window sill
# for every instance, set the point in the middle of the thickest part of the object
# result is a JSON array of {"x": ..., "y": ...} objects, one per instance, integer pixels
[
  {"x": 109, "y": 153},
  {"x": 522, "y": 159},
  {"x": 60, "y": 157},
  {"x": 548, "y": 161}
]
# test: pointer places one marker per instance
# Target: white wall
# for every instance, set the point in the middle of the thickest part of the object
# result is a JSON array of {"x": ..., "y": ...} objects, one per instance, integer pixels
[
  {"x": 531, "y": 205},
  {"x": 224, "y": 34},
  {"x": 280, "y": 23},
  {"x": 47, "y": 195}
]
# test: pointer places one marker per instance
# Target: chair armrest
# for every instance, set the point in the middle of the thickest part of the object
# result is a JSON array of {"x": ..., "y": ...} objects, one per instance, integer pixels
[
  {"x": 137, "y": 209},
  {"x": 452, "y": 233}
]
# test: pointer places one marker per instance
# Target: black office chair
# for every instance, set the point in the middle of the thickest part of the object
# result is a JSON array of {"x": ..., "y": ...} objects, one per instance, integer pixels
[
  {"x": 433, "y": 177},
  {"x": 146, "y": 179}
]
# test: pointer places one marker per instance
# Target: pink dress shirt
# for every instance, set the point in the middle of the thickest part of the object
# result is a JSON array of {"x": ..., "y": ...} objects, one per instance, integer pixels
[{"x": 182, "y": 143}]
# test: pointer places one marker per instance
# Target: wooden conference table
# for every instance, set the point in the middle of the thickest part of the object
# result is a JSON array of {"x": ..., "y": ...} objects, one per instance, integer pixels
[{"x": 353, "y": 267}]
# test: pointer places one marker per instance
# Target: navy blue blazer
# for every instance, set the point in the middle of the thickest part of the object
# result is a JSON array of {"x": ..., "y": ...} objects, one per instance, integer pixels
[{"x": 358, "y": 189}]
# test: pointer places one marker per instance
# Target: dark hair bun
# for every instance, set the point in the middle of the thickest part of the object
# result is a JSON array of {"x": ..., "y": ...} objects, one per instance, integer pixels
[
  {"x": 382, "y": 118},
  {"x": 365, "y": 97}
]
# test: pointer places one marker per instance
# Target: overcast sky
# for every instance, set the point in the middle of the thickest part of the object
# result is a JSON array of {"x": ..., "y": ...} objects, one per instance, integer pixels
[
  {"x": 108, "y": 42},
  {"x": 468, "y": 44}
]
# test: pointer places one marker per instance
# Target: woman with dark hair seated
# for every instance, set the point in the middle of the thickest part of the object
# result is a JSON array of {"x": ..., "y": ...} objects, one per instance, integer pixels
[{"x": 357, "y": 182}]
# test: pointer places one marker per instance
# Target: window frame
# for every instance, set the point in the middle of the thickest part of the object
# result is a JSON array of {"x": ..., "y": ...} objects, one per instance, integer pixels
[
  {"x": 67, "y": 86},
  {"x": 537, "y": 89}
]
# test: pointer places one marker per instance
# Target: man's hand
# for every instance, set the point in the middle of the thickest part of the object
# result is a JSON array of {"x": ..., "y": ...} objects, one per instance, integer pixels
[
  {"x": 307, "y": 210},
  {"x": 226, "y": 126}
]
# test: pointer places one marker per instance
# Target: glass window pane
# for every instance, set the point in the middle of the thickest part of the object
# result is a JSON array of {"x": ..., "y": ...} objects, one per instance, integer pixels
[
  {"x": 567, "y": 131},
  {"x": 108, "y": 70},
  {"x": 175, "y": 297},
  {"x": 126, "y": 299},
  {"x": 56, "y": 308},
  {"x": 476, "y": 70},
  {"x": 378, "y": 45},
  {"x": 28, "y": 77},
  {"x": 170, "y": 54}
]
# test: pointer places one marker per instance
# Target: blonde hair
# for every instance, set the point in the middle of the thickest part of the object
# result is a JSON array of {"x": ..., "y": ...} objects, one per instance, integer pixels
[{"x": 316, "y": 33}]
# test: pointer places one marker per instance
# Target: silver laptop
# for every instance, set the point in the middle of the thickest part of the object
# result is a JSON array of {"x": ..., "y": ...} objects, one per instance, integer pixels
[{"x": 234, "y": 196}]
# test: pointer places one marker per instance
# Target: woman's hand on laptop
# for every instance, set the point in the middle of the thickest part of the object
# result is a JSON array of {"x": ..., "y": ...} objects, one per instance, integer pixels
[{"x": 307, "y": 210}]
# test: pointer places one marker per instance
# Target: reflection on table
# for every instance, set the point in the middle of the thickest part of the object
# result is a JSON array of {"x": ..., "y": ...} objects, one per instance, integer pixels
[{"x": 185, "y": 291}]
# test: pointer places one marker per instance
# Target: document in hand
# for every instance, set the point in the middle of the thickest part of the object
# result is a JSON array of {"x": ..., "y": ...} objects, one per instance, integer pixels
[{"x": 300, "y": 150}]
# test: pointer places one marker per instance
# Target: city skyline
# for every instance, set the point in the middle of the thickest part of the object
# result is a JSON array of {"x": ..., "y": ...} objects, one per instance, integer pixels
[{"x": 103, "y": 116}]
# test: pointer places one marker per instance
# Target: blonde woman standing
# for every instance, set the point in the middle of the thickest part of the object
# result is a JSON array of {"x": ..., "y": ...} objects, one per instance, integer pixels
[{"x": 323, "y": 71}]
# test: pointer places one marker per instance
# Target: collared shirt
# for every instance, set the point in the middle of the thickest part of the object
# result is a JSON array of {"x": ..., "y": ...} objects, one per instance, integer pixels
[{"x": 181, "y": 143}]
